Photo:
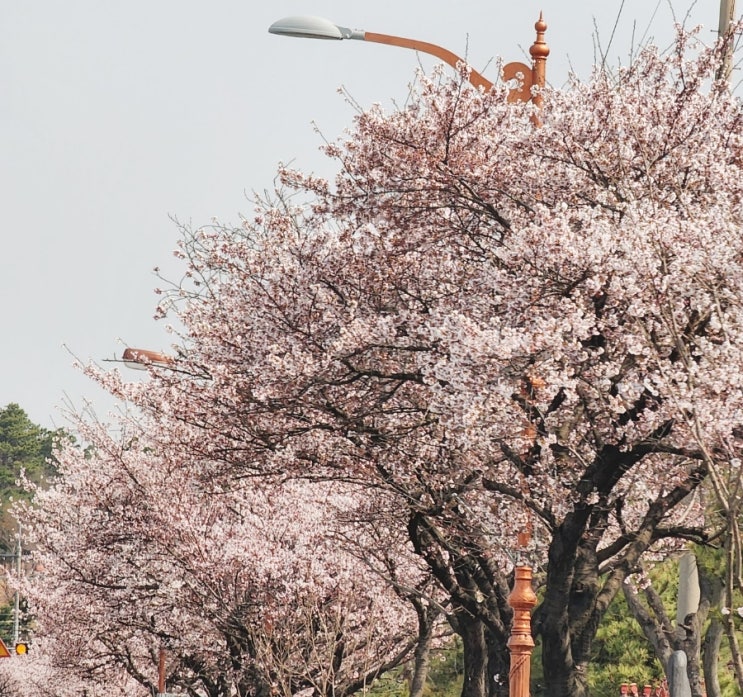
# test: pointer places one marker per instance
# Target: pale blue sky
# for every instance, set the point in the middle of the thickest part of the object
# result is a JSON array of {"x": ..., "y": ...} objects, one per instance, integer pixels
[{"x": 117, "y": 115}]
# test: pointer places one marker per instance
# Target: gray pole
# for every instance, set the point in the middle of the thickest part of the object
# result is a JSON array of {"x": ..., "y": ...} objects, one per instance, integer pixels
[
  {"x": 17, "y": 602},
  {"x": 689, "y": 593},
  {"x": 679, "y": 680},
  {"x": 727, "y": 15}
]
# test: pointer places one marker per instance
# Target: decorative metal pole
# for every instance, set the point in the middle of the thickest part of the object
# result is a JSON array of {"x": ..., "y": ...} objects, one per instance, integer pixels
[
  {"x": 161, "y": 671},
  {"x": 539, "y": 51},
  {"x": 319, "y": 28},
  {"x": 521, "y": 643}
]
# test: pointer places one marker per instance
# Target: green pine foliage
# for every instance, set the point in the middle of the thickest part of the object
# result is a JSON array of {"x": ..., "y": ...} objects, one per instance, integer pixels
[
  {"x": 6, "y": 623},
  {"x": 444, "y": 677},
  {"x": 27, "y": 450},
  {"x": 24, "y": 446},
  {"x": 622, "y": 654}
]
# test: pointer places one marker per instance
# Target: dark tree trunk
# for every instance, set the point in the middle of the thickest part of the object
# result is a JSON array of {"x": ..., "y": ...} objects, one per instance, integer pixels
[
  {"x": 574, "y": 602},
  {"x": 499, "y": 664},
  {"x": 711, "y": 587},
  {"x": 691, "y": 644},
  {"x": 421, "y": 666},
  {"x": 561, "y": 677},
  {"x": 576, "y": 597},
  {"x": 422, "y": 656},
  {"x": 475, "y": 649}
]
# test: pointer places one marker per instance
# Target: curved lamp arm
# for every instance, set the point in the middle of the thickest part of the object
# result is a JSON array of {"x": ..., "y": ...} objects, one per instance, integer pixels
[{"x": 319, "y": 28}]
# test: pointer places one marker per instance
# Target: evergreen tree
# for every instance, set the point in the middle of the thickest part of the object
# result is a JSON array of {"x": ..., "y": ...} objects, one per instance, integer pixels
[{"x": 25, "y": 449}]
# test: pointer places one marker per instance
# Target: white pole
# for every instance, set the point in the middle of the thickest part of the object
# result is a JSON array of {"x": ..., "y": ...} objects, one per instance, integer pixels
[
  {"x": 727, "y": 16},
  {"x": 689, "y": 593},
  {"x": 17, "y": 603}
]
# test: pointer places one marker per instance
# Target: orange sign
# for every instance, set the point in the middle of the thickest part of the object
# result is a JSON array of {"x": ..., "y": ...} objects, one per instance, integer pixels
[{"x": 4, "y": 653}]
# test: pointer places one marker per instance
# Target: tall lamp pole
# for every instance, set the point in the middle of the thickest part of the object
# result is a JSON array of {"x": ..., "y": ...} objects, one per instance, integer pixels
[
  {"x": 522, "y": 599},
  {"x": 319, "y": 28},
  {"x": 521, "y": 643}
]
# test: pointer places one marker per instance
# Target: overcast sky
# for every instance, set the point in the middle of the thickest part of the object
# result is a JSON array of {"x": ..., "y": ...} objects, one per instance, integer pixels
[{"x": 117, "y": 116}]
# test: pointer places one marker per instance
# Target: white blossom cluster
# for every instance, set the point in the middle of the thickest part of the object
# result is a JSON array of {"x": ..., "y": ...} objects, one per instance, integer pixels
[{"x": 481, "y": 328}]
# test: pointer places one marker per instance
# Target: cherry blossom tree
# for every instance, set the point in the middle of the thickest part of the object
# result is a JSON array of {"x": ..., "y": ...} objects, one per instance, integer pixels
[
  {"x": 481, "y": 328},
  {"x": 507, "y": 327},
  {"x": 241, "y": 583},
  {"x": 37, "y": 675}
]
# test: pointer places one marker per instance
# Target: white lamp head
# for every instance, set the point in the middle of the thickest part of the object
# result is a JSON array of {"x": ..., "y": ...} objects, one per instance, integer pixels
[{"x": 313, "y": 28}]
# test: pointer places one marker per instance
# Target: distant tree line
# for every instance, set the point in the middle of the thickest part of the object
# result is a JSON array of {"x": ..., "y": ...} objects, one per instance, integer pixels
[{"x": 26, "y": 452}]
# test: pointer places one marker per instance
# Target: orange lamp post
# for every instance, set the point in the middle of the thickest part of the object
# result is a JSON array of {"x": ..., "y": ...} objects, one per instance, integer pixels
[
  {"x": 521, "y": 642},
  {"x": 319, "y": 28},
  {"x": 522, "y": 599},
  {"x": 161, "y": 671}
]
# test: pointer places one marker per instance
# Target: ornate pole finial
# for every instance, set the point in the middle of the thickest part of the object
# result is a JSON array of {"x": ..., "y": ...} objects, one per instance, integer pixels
[
  {"x": 521, "y": 643},
  {"x": 539, "y": 52}
]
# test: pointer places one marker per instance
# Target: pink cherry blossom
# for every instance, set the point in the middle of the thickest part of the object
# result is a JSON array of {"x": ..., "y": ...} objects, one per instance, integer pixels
[{"x": 480, "y": 328}]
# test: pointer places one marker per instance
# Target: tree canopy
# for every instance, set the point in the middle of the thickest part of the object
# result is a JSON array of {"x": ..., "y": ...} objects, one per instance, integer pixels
[
  {"x": 23, "y": 446},
  {"x": 480, "y": 328},
  {"x": 26, "y": 451}
]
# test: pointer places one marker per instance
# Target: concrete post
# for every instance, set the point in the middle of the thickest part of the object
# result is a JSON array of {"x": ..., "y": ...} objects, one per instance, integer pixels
[
  {"x": 689, "y": 593},
  {"x": 679, "y": 680}
]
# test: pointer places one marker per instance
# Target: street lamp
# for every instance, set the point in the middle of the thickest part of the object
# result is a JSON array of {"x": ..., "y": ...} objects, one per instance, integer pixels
[
  {"x": 140, "y": 359},
  {"x": 522, "y": 599},
  {"x": 143, "y": 359},
  {"x": 319, "y": 28}
]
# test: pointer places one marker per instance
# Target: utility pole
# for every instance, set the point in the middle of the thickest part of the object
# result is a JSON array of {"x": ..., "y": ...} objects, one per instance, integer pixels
[
  {"x": 727, "y": 16},
  {"x": 17, "y": 602}
]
